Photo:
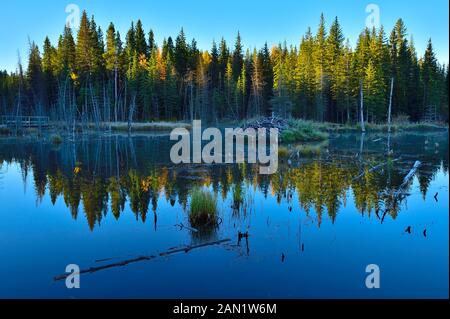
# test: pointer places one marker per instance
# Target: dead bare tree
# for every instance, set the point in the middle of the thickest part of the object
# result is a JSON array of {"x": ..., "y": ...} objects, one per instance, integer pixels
[
  {"x": 363, "y": 128},
  {"x": 390, "y": 105},
  {"x": 131, "y": 111}
]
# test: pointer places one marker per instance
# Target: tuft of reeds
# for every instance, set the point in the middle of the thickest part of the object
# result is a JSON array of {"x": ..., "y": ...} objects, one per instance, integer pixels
[
  {"x": 304, "y": 131},
  {"x": 283, "y": 152},
  {"x": 203, "y": 208}
]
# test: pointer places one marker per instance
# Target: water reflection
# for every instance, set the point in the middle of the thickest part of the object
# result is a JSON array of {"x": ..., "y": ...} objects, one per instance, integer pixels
[{"x": 97, "y": 176}]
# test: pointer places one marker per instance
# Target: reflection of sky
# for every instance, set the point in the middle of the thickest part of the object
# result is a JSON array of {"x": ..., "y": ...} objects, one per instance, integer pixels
[{"x": 38, "y": 240}]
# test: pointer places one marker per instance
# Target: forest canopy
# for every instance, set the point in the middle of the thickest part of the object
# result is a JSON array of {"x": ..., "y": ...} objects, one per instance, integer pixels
[{"x": 92, "y": 76}]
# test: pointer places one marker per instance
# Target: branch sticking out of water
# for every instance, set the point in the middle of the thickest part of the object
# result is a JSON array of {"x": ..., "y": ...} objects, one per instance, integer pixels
[{"x": 187, "y": 227}]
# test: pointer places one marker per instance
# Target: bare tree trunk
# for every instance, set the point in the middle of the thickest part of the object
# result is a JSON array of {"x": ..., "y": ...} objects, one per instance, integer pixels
[
  {"x": 363, "y": 128},
  {"x": 191, "y": 100},
  {"x": 115, "y": 92},
  {"x": 131, "y": 112},
  {"x": 19, "y": 98},
  {"x": 390, "y": 105},
  {"x": 124, "y": 102}
]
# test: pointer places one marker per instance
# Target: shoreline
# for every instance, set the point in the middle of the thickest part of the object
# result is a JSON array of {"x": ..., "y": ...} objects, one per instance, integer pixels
[{"x": 297, "y": 131}]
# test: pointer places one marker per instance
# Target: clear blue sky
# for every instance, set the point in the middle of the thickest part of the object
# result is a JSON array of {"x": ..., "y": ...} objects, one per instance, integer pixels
[{"x": 258, "y": 21}]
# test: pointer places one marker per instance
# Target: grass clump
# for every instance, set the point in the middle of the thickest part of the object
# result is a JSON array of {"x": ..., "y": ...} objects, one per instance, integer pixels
[
  {"x": 203, "y": 209},
  {"x": 146, "y": 127},
  {"x": 311, "y": 149},
  {"x": 56, "y": 139},
  {"x": 283, "y": 152},
  {"x": 304, "y": 131},
  {"x": 398, "y": 124}
]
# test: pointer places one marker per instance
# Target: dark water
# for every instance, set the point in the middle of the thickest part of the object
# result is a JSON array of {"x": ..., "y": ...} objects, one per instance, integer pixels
[{"x": 313, "y": 227}]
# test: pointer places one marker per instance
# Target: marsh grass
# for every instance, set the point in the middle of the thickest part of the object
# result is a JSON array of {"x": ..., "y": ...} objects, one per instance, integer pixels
[
  {"x": 310, "y": 131},
  {"x": 203, "y": 208},
  {"x": 283, "y": 152},
  {"x": 396, "y": 126},
  {"x": 143, "y": 127},
  {"x": 311, "y": 149},
  {"x": 304, "y": 131}
]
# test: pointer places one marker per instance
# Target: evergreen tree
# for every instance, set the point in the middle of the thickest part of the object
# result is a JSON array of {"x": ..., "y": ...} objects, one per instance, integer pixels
[
  {"x": 83, "y": 49},
  {"x": 35, "y": 79},
  {"x": 181, "y": 54},
  {"x": 320, "y": 69},
  {"x": 97, "y": 78},
  {"x": 238, "y": 59},
  {"x": 140, "y": 42},
  {"x": 151, "y": 42},
  {"x": 49, "y": 61},
  {"x": 334, "y": 67}
]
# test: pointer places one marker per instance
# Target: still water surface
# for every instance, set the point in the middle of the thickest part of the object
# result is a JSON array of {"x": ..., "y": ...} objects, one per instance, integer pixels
[{"x": 313, "y": 227}]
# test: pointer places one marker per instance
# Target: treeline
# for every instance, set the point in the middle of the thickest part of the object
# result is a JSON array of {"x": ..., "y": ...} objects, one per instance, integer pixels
[{"x": 97, "y": 77}]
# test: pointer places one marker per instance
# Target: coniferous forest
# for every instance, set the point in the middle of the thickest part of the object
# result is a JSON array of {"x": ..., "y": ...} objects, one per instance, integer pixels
[{"x": 97, "y": 76}]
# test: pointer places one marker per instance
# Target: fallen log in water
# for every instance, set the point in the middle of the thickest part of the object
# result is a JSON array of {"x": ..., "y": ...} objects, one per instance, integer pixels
[
  {"x": 397, "y": 194},
  {"x": 142, "y": 258},
  {"x": 410, "y": 174}
]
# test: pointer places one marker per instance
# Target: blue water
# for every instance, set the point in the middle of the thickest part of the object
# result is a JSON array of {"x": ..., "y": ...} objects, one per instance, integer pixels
[{"x": 326, "y": 250}]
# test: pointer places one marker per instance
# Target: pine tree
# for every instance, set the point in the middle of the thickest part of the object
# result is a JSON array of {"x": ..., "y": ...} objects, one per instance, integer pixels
[
  {"x": 181, "y": 54},
  {"x": 415, "y": 107},
  {"x": 224, "y": 55},
  {"x": 334, "y": 68},
  {"x": 400, "y": 62},
  {"x": 229, "y": 86},
  {"x": 320, "y": 68},
  {"x": 429, "y": 79},
  {"x": 214, "y": 66},
  {"x": 168, "y": 49},
  {"x": 140, "y": 42},
  {"x": 35, "y": 79},
  {"x": 83, "y": 47},
  {"x": 238, "y": 59},
  {"x": 49, "y": 61},
  {"x": 257, "y": 85},
  {"x": 305, "y": 78},
  {"x": 374, "y": 93},
  {"x": 66, "y": 54},
  {"x": 151, "y": 42},
  {"x": 97, "y": 49},
  {"x": 267, "y": 78},
  {"x": 111, "y": 53},
  {"x": 130, "y": 46}
]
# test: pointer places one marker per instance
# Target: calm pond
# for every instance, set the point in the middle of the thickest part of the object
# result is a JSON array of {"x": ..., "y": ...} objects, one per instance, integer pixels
[{"x": 312, "y": 228}]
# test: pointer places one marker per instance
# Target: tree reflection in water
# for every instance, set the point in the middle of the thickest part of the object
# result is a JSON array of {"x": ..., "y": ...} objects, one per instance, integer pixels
[{"x": 104, "y": 174}]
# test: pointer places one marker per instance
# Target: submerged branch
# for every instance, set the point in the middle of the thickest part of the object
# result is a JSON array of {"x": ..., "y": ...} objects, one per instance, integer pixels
[
  {"x": 142, "y": 258},
  {"x": 374, "y": 169},
  {"x": 397, "y": 195},
  {"x": 407, "y": 178}
]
